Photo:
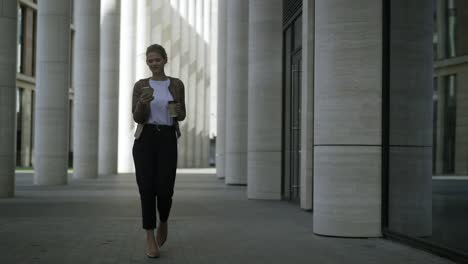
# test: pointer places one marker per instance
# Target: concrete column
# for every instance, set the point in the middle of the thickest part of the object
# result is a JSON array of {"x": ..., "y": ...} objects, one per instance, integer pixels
[
  {"x": 236, "y": 92},
  {"x": 156, "y": 21},
  {"x": 184, "y": 76},
  {"x": 411, "y": 75},
  {"x": 127, "y": 80},
  {"x": 200, "y": 85},
  {"x": 264, "y": 97},
  {"x": 347, "y": 118},
  {"x": 26, "y": 128},
  {"x": 148, "y": 29},
  {"x": 142, "y": 40},
  {"x": 176, "y": 67},
  {"x": 175, "y": 30},
  {"x": 109, "y": 86},
  {"x": 8, "y": 51},
  {"x": 213, "y": 74},
  {"x": 191, "y": 87},
  {"x": 221, "y": 83},
  {"x": 207, "y": 87},
  {"x": 307, "y": 105},
  {"x": 52, "y": 82},
  {"x": 167, "y": 32},
  {"x": 86, "y": 85}
]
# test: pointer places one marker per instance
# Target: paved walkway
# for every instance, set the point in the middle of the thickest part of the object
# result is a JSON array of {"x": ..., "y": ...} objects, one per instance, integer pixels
[{"x": 98, "y": 221}]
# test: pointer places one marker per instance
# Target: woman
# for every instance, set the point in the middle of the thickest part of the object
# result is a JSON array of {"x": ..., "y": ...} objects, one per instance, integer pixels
[{"x": 155, "y": 146}]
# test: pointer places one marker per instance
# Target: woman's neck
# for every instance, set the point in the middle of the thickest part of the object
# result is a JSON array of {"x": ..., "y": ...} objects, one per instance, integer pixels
[{"x": 159, "y": 77}]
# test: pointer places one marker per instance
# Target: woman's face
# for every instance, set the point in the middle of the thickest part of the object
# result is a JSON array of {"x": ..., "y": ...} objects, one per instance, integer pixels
[{"x": 155, "y": 62}]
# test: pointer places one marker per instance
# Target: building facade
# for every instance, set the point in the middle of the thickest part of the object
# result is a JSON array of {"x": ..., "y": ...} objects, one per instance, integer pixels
[
  {"x": 370, "y": 133},
  {"x": 352, "y": 110},
  {"x": 120, "y": 44}
]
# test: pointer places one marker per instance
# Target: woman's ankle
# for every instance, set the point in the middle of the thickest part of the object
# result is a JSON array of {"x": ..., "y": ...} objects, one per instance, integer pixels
[{"x": 149, "y": 234}]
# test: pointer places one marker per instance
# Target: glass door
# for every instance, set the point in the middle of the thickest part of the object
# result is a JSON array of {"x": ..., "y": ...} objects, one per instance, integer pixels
[
  {"x": 292, "y": 131},
  {"x": 292, "y": 110},
  {"x": 295, "y": 128}
]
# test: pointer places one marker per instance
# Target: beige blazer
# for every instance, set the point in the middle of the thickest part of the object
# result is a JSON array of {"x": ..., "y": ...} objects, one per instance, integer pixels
[{"x": 141, "y": 111}]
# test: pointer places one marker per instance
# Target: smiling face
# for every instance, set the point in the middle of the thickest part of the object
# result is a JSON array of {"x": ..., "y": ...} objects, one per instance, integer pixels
[{"x": 156, "y": 62}]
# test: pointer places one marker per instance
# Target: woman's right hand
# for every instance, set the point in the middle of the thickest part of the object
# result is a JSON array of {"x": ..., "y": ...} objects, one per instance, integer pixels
[{"x": 146, "y": 98}]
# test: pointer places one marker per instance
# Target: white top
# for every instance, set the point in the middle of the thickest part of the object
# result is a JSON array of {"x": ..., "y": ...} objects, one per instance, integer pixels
[{"x": 159, "y": 114}]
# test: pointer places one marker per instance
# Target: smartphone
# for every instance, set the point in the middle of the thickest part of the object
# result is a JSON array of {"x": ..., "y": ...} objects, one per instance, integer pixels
[{"x": 146, "y": 91}]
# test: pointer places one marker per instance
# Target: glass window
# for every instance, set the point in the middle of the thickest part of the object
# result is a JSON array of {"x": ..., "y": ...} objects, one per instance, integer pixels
[
  {"x": 26, "y": 40},
  {"x": 19, "y": 61},
  {"x": 72, "y": 8},
  {"x": 297, "y": 33},
  {"x": 33, "y": 45},
  {"x": 427, "y": 184},
  {"x": 456, "y": 19},
  {"x": 72, "y": 44},
  {"x": 435, "y": 38},
  {"x": 288, "y": 36},
  {"x": 450, "y": 123},
  {"x": 33, "y": 124},
  {"x": 19, "y": 93},
  {"x": 435, "y": 99}
]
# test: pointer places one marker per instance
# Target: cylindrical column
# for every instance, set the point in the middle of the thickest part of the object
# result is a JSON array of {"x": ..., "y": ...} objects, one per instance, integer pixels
[
  {"x": 213, "y": 49},
  {"x": 127, "y": 80},
  {"x": 200, "y": 84},
  {"x": 167, "y": 33},
  {"x": 176, "y": 67},
  {"x": 411, "y": 121},
  {"x": 347, "y": 118},
  {"x": 86, "y": 85},
  {"x": 8, "y": 25},
  {"x": 264, "y": 97},
  {"x": 175, "y": 30},
  {"x": 184, "y": 76},
  {"x": 191, "y": 90},
  {"x": 156, "y": 21},
  {"x": 109, "y": 83},
  {"x": 307, "y": 105},
  {"x": 221, "y": 83},
  {"x": 52, "y": 84},
  {"x": 206, "y": 33},
  {"x": 142, "y": 40},
  {"x": 236, "y": 91}
]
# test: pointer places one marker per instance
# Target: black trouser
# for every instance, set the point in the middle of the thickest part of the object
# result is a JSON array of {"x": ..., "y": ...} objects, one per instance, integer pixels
[{"x": 155, "y": 157}]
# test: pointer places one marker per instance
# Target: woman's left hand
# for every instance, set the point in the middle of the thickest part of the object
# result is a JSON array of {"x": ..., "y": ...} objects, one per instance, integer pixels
[{"x": 178, "y": 109}]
